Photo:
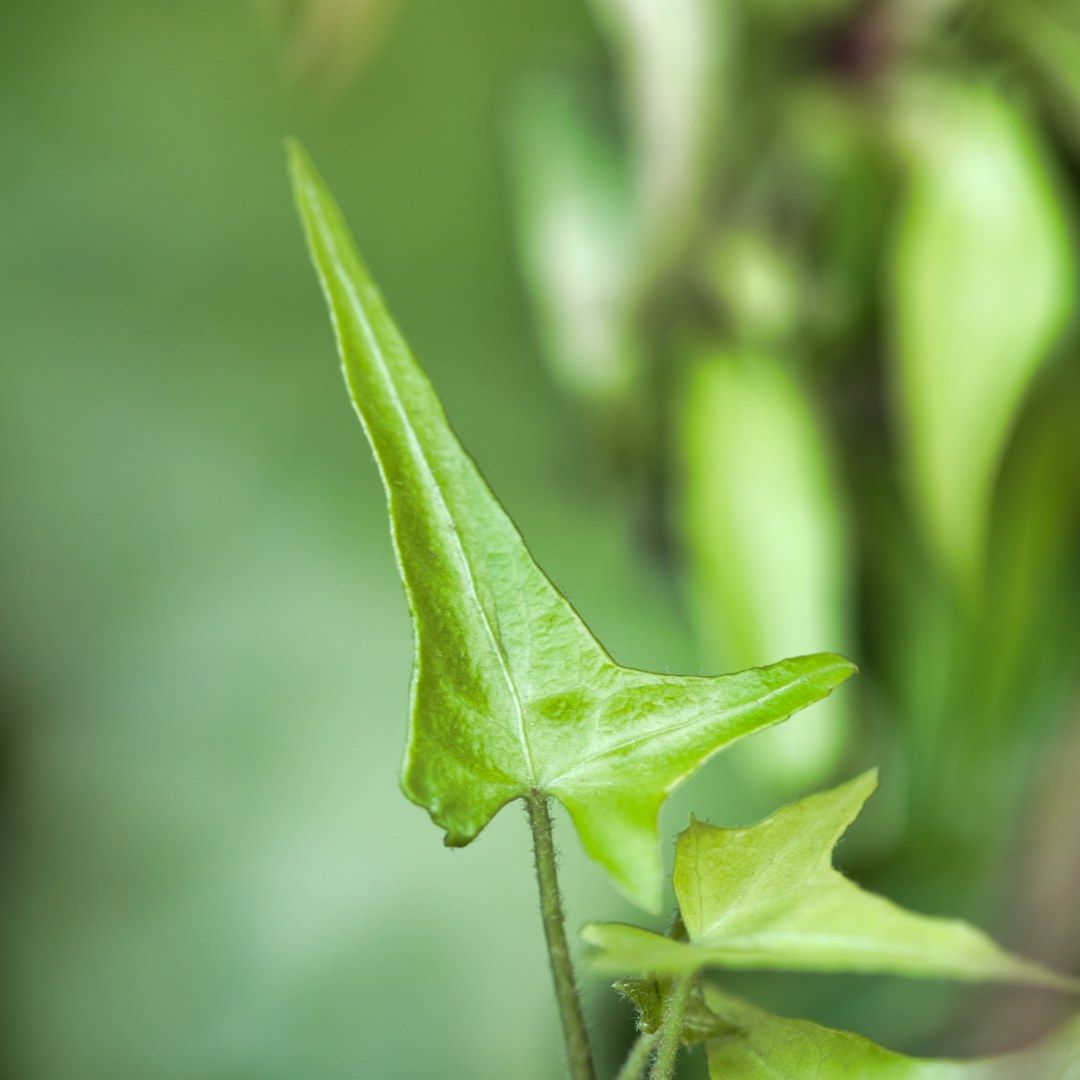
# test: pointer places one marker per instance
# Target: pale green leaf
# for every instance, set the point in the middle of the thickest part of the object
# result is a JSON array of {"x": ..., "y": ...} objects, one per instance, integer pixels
[
  {"x": 758, "y": 283},
  {"x": 768, "y": 897},
  {"x": 511, "y": 693},
  {"x": 765, "y": 538},
  {"x": 573, "y": 210},
  {"x": 671, "y": 57},
  {"x": 760, "y": 1046},
  {"x": 981, "y": 286}
]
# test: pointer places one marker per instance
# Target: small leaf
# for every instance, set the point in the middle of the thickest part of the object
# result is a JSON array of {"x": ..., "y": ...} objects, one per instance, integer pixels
[
  {"x": 761, "y": 1046},
  {"x": 768, "y": 897},
  {"x": 647, "y": 995},
  {"x": 511, "y": 692}
]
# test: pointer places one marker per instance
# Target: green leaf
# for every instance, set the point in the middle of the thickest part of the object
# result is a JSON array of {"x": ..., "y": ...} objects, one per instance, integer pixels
[
  {"x": 327, "y": 45},
  {"x": 982, "y": 284},
  {"x": 764, "y": 527},
  {"x": 1031, "y": 603},
  {"x": 647, "y": 996},
  {"x": 768, "y": 897},
  {"x": 760, "y": 1046},
  {"x": 1048, "y": 35},
  {"x": 573, "y": 210},
  {"x": 800, "y": 15},
  {"x": 511, "y": 693},
  {"x": 671, "y": 57}
]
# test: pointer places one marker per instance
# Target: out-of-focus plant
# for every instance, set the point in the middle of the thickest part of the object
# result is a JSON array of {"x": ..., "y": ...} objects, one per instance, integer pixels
[
  {"x": 981, "y": 286},
  {"x": 513, "y": 698},
  {"x": 765, "y": 534},
  {"x": 856, "y": 329},
  {"x": 326, "y": 43},
  {"x": 576, "y": 246}
]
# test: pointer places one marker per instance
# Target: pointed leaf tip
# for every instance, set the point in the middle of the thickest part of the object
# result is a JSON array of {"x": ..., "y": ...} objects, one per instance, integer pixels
[
  {"x": 511, "y": 692},
  {"x": 768, "y": 897},
  {"x": 298, "y": 159}
]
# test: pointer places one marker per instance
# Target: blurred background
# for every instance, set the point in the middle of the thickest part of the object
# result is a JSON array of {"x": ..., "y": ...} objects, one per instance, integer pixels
[{"x": 760, "y": 316}]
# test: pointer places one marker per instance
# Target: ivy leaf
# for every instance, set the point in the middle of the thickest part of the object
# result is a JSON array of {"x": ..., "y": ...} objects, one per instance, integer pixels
[
  {"x": 511, "y": 693},
  {"x": 760, "y": 1046},
  {"x": 768, "y": 897}
]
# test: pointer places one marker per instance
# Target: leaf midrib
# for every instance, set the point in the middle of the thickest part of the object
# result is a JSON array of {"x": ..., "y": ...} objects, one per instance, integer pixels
[
  {"x": 765, "y": 942},
  {"x": 421, "y": 456}
]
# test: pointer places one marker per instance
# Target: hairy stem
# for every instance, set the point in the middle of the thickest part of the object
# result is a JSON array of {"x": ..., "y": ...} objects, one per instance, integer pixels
[
  {"x": 578, "y": 1052},
  {"x": 671, "y": 1027},
  {"x": 637, "y": 1061}
]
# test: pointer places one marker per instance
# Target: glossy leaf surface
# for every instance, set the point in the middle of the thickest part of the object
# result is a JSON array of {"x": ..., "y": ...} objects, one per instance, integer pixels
[
  {"x": 760, "y": 1046},
  {"x": 511, "y": 692},
  {"x": 768, "y": 897}
]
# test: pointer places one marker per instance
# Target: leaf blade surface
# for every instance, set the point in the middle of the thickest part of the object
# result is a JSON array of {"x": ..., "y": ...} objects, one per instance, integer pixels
[
  {"x": 511, "y": 692},
  {"x": 761, "y": 1046},
  {"x": 768, "y": 896}
]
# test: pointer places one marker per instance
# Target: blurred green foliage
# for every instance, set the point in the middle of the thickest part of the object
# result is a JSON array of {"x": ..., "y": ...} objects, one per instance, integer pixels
[
  {"x": 857, "y": 398},
  {"x": 765, "y": 538},
  {"x": 882, "y": 275},
  {"x": 873, "y": 202}
]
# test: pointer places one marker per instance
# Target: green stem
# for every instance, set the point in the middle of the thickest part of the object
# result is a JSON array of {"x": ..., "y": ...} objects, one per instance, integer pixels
[
  {"x": 637, "y": 1061},
  {"x": 578, "y": 1052},
  {"x": 671, "y": 1027}
]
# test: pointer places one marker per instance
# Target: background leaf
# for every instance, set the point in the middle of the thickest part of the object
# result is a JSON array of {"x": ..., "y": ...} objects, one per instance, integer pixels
[
  {"x": 981, "y": 286},
  {"x": 670, "y": 58},
  {"x": 1047, "y": 35},
  {"x": 574, "y": 209},
  {"x": 765, "y": 539}
]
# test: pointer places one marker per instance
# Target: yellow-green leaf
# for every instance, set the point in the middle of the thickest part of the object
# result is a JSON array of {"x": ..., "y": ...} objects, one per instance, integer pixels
[
  {"x": 768, "y": 897},
  {"x": 647, "y": 994},
  {"x": 511, "y": 692},
  {"x": 760, "y": 1046},
  {"x": 1047, "y": 33},
  {"x": 765, "y": 537},
  {"x": 982, "y": 283},
  {"x": 671, "y": 57},
  {"x": 573, "y": 211}
]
